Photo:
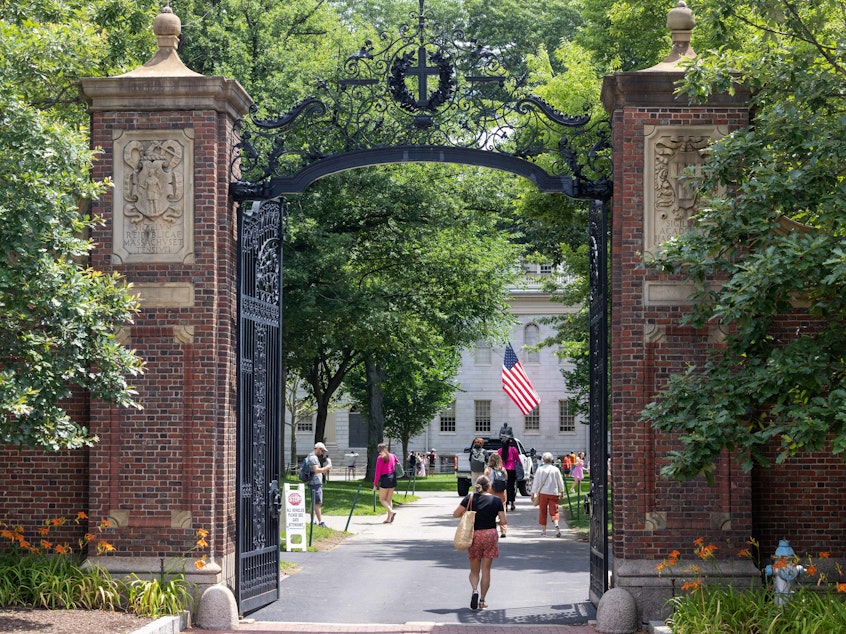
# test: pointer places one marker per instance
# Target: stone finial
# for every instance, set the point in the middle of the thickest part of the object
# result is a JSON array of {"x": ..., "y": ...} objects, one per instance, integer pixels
[
  {"x": 680, "y": 21},
  {"x": 165, "y": 63}
]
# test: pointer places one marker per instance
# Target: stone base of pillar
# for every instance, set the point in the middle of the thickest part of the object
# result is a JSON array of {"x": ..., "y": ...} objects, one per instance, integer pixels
[{"x": 653, "y": 593}]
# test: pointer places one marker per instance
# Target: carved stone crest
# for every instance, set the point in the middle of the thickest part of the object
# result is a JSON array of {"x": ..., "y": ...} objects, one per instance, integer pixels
[
  {"x": 153, "y": 219},
  {"x": 669, "y": 198},
  {"x": 153, "y": 186}
]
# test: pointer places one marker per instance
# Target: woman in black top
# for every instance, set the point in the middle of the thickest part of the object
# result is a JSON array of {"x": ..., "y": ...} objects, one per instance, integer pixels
[{"x": 485, "y": 547}]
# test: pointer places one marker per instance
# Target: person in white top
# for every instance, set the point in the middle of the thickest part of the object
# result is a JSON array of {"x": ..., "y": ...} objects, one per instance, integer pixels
[{"x": 548, "y": 488}]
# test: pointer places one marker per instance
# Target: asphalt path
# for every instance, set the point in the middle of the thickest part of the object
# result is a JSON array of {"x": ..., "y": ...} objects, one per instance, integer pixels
[{"x": 408, "y": 572}]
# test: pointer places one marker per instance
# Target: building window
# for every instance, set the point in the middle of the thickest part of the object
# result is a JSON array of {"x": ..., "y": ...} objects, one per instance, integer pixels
[
  {"x": 531, "y": 337},
  {"x": 305, "y": 422},
  {"x": 483, "y": 353},
  {"x": 531, "y": 422},
  {"x": 483, "y": 417},
  {"x": 448, "y": 419},
  {"x": 566, "y": 418}
]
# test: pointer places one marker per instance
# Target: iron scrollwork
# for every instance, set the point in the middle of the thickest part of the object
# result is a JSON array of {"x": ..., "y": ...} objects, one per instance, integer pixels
[{"x": 425, "y": 87}]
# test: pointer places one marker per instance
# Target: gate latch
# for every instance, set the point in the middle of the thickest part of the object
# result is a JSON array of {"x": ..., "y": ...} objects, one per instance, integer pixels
[{"x": 275, "y": 498}]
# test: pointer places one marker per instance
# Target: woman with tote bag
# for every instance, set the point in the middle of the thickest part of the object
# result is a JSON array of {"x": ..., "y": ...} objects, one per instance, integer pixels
[{"x": 485, "y": 546}]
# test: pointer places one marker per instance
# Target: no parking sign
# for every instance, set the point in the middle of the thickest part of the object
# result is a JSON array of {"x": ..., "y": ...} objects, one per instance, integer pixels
[{"x": 295, "y": 517}]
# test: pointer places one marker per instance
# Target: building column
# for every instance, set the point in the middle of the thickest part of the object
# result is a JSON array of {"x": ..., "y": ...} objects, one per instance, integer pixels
[
  {"x": 656, "y": 136},
  {"x": 159, "y": 474}
]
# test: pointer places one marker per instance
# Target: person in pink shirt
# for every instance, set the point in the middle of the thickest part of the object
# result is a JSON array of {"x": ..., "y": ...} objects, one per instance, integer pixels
[
  {"x": 510, "y": 455},
  {"x": 385, "y": 479}
]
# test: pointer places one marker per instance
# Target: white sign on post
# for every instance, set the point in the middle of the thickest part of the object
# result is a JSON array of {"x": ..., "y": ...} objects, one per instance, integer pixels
[{"x": 295, "y": 517}]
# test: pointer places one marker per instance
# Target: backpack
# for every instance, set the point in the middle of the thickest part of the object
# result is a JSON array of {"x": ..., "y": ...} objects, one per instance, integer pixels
[
  {"x": 477, "y": 460},
  {"x": 306, "y": 472},
  {"x": 499, "y": 481}
]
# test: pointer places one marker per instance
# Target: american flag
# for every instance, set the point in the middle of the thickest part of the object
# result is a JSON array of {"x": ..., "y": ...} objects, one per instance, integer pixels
[{"x": 516, "y": 384}]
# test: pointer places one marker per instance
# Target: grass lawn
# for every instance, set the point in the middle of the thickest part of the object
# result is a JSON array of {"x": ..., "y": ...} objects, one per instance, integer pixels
[{"x": 340, "y": 495}]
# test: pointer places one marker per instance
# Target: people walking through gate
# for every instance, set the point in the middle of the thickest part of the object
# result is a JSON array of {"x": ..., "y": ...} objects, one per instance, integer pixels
[
  {"x": 485, "y": 546},
  {"x": 510, "y": 455},
  {"x": 319, "y": 459},
  {"x": 385, "y": 479},
  {"x": 578, "y": 472},
  {"x": 477, "y": 459},
  {"x": 548, "y": 487},
  {"x": 499, "y": 481}
]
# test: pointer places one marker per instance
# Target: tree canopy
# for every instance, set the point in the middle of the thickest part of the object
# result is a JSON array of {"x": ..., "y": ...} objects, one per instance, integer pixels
[
  {"x": 58, "y": 316},
  {"x": 772, "y": 232}
]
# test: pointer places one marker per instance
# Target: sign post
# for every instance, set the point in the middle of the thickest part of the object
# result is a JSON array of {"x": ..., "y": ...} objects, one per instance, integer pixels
[{"x": 295, "y": 517}]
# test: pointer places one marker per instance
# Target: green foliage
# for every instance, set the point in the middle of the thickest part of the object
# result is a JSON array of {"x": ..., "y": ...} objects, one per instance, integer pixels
[
  {"x": 765, "y": 388},
  {"x": 55, "y": 582},
  {"x": 58, "y": 317},
  {"x": 725, "y": 609},
  {"x": 276, "y": 50},
  {"x": 383, "y": 261},
  {"x": 159, "y": 596}
]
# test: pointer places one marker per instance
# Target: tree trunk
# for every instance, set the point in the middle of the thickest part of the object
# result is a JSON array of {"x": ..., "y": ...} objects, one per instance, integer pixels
[{"x": 376, "y": 415}]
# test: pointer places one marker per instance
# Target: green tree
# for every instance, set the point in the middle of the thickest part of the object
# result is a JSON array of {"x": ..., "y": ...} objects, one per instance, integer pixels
[
  {"x": 419, "y": 383},
  {"x": 372, "y": 248},
  {"x": 58, "y": 317},
  {"x": 767, "y": 387}
]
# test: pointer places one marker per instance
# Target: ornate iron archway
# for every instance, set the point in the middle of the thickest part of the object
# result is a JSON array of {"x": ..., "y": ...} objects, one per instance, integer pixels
[{"x": 430, "y": 94}]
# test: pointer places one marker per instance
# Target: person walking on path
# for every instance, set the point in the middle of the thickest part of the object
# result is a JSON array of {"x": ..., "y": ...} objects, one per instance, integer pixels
[
  {"x": 485, "y": 546},
  {"x": 577, "y": 471},
  {"x": 319, "y": 465},
  {"x": 385, "y": 479},
  {"x": 548, "y": 489},
  {"x": 499, "y": 481},
  {"x": 510, "y": 455},
  {"x": 477, "y": 460}
]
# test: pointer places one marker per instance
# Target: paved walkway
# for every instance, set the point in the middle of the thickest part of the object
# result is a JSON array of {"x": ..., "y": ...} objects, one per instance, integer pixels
[{"x": 405, "y": 578}]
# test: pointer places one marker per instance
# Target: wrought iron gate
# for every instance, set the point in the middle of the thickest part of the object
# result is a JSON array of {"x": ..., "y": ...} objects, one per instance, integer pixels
[
  {"x": 260, "y": 401},
  {"x": 598, "y": 495},
  {"x": 381, "y": 108}
]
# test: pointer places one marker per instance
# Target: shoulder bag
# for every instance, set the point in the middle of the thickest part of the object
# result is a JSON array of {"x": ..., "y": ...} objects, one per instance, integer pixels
[
  {"x": 536, "y": 494},
  {"x": 464, "y": 533},
  {"x": 398, "y": 470}
]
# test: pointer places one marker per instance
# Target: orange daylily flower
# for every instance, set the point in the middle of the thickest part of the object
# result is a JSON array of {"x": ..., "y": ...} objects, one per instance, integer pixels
[
  {"x": 841, "y": 587},
  {"x": 825, "y": 554}
]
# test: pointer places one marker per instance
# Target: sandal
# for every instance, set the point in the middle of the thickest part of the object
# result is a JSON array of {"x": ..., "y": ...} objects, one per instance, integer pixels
[
  {"x": 482, "y": 604},
  {"x": 393, "y": 515}
]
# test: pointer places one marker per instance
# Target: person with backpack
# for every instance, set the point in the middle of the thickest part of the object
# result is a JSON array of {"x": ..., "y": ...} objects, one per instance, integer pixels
[
  {"x": 385, "y": 479},
  {"x": 477, "y": 460},
  {"x": 318, "y": 462},
  {"x": 499, "y": 481}
]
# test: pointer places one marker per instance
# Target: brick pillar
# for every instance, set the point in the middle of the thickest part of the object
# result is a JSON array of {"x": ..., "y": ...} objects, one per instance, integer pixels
[
  {"x": 166, "y": 135},
  {"x": 655, "y": 137}
]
